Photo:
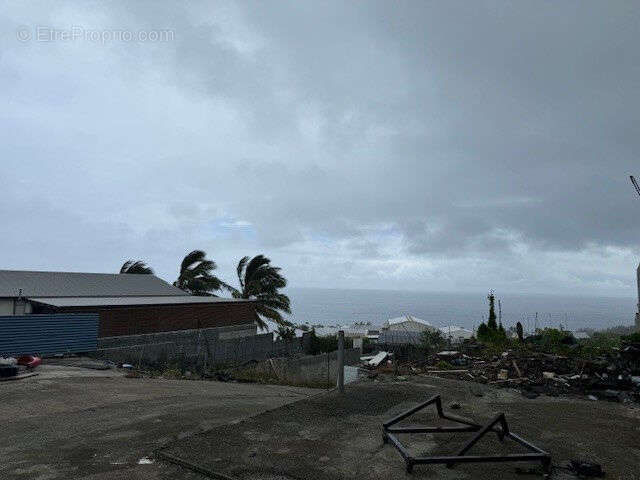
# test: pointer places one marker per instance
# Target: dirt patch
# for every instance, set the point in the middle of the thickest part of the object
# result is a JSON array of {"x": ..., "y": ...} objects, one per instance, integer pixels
[
  {"x": 342, "y": 435},
  {"x": 100, "y": 428}
]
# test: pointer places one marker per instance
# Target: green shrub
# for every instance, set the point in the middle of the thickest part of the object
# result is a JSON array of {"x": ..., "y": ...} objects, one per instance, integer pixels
[
  {"x": 599, "y": 343},
  {"x": 432, "y": 340},
  {"x": 443, "y": 365},
  {"x": 326, "y": 344},
  {"x": 634, "y": 337},
  {"x": 551, "y": 340},
  {"x": 520, "y": 332}
]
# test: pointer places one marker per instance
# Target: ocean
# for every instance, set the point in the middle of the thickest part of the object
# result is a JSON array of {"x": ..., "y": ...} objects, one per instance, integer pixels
[{"x": 344, "y": 307}]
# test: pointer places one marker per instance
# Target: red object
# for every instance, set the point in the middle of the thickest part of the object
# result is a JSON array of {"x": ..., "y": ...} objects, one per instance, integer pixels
[{"x": 29, "y": 361}]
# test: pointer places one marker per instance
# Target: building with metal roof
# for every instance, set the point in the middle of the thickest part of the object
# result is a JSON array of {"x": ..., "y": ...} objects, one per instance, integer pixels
[
  {"x": 183, "y": 299},
  {"x": 16, "y": 283},
  {"x": 127, "y": 303},
  {"x": 407, "y": 323},
  {"x": 455, "y": 333}
]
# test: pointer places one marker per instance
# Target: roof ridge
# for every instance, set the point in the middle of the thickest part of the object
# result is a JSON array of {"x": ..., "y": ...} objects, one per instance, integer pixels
[{"x": 72, "y": 273}]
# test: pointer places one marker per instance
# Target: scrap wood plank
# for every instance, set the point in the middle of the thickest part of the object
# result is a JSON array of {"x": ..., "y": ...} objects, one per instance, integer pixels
[
  {"x": 448, "y": 371},
  {"x": 515, "y": 365},
  {"x": 378, "y": 359}
]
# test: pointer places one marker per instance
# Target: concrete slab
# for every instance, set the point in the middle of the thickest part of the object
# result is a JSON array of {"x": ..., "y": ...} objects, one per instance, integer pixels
[
  {"x": 339, "y": 437},
  {"x": 60, "y": 425}
]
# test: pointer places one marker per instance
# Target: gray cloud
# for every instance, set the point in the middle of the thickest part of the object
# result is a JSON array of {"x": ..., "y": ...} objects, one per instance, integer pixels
[{"x": 378, "y": 145}]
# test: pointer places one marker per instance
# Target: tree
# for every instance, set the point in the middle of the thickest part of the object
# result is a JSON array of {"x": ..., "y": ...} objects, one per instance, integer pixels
[
  {"x": 261, "y": 281},
  {"x": 432, "y": 340},
  {"x": 196, "y": 275},
  {"x": 520, "y": 332},
  {"x": 491, "y": 322},
  {"x": 286, "y": 333},
  {"x": 483, "y": 333},
  {"x": 501, "y": 331},
  {"x": 136, "y": 266}
]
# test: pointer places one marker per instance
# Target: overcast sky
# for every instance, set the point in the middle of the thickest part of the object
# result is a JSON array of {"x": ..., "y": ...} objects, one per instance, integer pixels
[{"x": 406, "y": 145}]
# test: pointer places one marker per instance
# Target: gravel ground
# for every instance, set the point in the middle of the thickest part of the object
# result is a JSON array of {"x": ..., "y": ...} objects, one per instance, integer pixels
[{"x": 339, "y": 437}]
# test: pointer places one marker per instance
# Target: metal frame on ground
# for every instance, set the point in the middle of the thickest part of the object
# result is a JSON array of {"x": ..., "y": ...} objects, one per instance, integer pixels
[{"x": 390, "y": 432}]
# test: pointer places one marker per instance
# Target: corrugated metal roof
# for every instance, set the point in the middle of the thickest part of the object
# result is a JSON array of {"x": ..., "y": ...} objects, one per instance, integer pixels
[
  {"x": 71, "y": 284},
  {"x": 128, "y": 301},
  {"x": 407, "y": 318}
]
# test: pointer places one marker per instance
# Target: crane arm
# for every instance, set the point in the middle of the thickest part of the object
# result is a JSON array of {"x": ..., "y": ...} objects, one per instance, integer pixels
[{"x": 635, "y": 184}]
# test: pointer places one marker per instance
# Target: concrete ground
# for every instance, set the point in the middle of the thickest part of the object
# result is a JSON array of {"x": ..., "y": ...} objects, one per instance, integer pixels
[
  {"x": 73, "y": 422},
  {"x": 339, "y": 437}
]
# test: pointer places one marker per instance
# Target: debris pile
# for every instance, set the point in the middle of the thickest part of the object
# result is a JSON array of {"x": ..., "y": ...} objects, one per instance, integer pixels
[
  {"x": 16, "y": 369},
  {"x": 612, "y": 377}
]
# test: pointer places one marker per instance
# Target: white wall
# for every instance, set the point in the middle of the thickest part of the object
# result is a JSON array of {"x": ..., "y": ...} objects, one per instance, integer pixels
[{"x": 7, "y": 307}]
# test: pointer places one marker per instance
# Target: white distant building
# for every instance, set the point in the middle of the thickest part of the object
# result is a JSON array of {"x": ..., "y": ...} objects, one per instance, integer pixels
[
  {"x": 455, "y": 333},
  {"x": 272, "y": 327},
  {"x": 350, "y": 331},
  {"x": 580, "y": 335},
  {"x": 328, "y": 331},
  {"x": 407, "y": 323},
  {"x": 361, "y": 331}
]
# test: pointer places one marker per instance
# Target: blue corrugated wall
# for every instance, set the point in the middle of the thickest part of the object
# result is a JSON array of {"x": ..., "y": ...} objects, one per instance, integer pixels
[{"x": 48, "y": 334}]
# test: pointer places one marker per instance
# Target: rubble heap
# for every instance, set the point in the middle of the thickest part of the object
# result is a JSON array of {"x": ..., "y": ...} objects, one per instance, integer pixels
[{"x": 613, "y": 376}]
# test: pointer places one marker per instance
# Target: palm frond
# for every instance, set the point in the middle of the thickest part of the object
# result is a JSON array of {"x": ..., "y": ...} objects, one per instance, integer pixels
[
  {"x": 136, "y": 267},
  {"x": 240, "y": 269},
  {"x": 260, "y": 281},
  {"x": 125, "y": 266},
  {"x": 191, "y": 258},
  {"x": 255, "y": 263},
  {"x": 260, "y": 322},
  {"x": 270, "y": 313},
  {"x": 196, "y": 275}
]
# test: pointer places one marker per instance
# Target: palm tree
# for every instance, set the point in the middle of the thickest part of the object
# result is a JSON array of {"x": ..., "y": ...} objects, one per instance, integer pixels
[
  {"x": 288, "y": 335},
  {"x": 136, "y": 266},
  {"x": 196, "y": 275},
  {"x": 260, "y": 281}
]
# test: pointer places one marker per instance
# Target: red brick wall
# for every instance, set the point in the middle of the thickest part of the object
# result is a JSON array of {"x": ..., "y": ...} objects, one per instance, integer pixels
[{"x": 116, "y": 321}]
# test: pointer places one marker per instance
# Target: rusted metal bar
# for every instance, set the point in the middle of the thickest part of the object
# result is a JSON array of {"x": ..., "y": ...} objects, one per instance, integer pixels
[
  {"x": 525, "y": 443},
  {"x": 416, "y": 429},
  {"x": 396, "y": 443},
  {"x": 519, "y": 457},
  {"x": 481, "y": 433},
  {"x": 455, "y": 418},
  {"x": 411, "y": 411}
]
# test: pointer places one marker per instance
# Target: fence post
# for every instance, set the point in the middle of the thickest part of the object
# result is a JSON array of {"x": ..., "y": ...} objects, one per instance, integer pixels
[
  {"x": 341, "y": 361},
  {"x": 328, "y": 371}
]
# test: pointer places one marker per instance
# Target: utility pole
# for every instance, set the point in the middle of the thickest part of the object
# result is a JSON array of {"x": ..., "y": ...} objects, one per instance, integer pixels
[
  {"x": 341, "y": 361},
  {"x": 635, "y": 185}
]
